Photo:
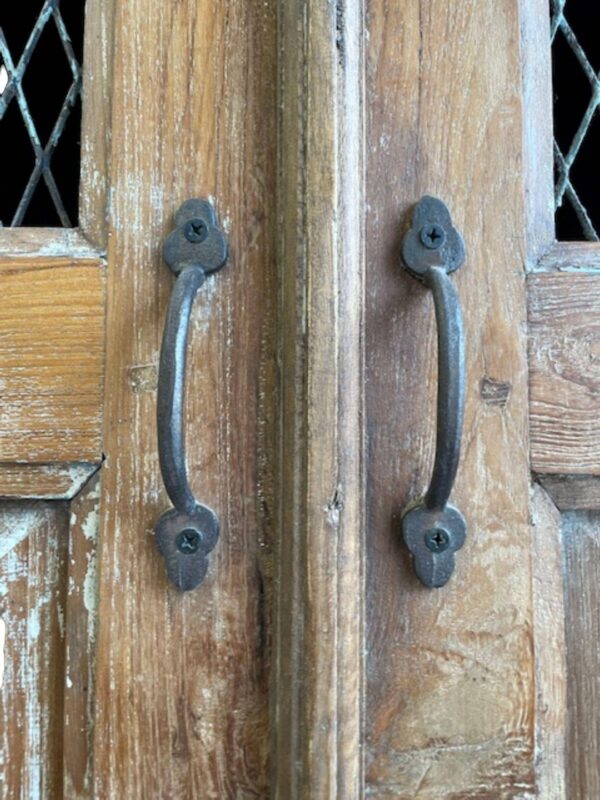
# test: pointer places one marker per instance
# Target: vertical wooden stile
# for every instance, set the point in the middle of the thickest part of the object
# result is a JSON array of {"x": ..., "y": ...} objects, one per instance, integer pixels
[{"x": 318, "y": 636}]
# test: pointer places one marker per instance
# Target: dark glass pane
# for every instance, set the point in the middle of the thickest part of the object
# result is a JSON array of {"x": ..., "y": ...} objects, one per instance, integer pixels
[
  {"x": 576, "y": 89},
  {"x": 41, "y": 43},
  {"x": 571, "y": 89}
]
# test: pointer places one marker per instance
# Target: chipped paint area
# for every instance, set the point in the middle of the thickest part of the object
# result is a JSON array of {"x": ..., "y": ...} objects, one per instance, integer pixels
[
  {"x": 143, "y": 378},
  {"x": 2, "y": 638},
  {"x": 48, "y": 243},
  {"x": 90, "y": 588},
  {"x": 205, "y": 307}
]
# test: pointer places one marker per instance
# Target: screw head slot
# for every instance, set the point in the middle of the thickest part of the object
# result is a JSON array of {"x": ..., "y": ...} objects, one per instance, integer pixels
[
  {"x": 437, "y": 540},
  {"x": 195, "y": 230},
  {"x": 188, "y": 541},
  {"x": 432, "y": 236}
]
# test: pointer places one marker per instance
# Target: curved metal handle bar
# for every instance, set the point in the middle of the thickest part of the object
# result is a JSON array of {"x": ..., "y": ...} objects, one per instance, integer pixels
[
  {"x": 434, "y": 530},
  {"x": 450, "y": 391},
  {"x": 171, "y": 390},
  {"x": 186, "y": 534}
]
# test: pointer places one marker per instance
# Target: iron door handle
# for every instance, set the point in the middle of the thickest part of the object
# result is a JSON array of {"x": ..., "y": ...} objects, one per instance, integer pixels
[
  {"x": 433, "y": 530},
  {"x": 187, "y": 533}
]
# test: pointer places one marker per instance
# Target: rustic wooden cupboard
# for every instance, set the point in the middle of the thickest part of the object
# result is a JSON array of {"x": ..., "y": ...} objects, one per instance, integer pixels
[{"x": 310, "y": 662}]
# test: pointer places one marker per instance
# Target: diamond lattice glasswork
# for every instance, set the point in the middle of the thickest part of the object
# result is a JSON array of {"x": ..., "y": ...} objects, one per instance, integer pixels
[
  {"x": 576, "y": 82},
  {"x": 40, "y": 97}
]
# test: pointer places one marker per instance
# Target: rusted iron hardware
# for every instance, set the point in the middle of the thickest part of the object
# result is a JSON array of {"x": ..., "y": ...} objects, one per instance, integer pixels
[
  {"x": 433, "y": 530},
  {"x": 186, "y": 534}
]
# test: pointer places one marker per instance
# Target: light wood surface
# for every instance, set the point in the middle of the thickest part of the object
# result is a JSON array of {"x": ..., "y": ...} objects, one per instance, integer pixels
[
  {"x": 51, "y": 359},
  {"x": 450, "y": 702},
  {"x": 564, "y": 373},
  {"x": 538, "y": 130},
  {"x": 182, "y": 707}
]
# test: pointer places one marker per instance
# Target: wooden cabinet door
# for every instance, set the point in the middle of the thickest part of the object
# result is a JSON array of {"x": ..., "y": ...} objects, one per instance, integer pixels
[
  {"x": 310, "y": 662},
  {"x": 485, "y": 688}
]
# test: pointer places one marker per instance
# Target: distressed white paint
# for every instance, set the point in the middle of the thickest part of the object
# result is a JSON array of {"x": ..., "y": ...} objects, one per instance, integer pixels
[
  {"x": 205, "y": 307},
  {"x": 90, "y": 586},
  {"x": 2, "y": 639}
]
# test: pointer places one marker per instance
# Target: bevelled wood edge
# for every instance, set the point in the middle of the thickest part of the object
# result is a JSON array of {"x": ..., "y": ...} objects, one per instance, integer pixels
[
  {"x": 549, "y": 648},
  {"x": 96, "y": 117},
  {"x": 572, "y": 492},
  {"x": 45, "y": 243},
  {"x": 44, "y": 481},
  {"x": 570, "y": 257},
  {"x": 318, "y": 638}
]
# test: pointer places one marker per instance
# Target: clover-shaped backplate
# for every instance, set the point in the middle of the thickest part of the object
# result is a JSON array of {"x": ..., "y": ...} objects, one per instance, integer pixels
[
  {"x": 433, "y": 536},
  {"x": 449, "y": 250},
  {"x": 197, "y": 239},
  {"x": 185, "y": 540}
]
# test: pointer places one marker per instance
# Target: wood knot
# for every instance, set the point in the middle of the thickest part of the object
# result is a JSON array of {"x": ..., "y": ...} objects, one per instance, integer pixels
[
  {"x": 493, "y": 392},
  {"x": 334, "y": 507},
  {"x": 143, "y": 378}
]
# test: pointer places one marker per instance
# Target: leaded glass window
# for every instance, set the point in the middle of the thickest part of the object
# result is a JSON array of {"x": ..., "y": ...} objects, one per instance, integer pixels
[
  {"x": 41, "y": 45},
  {"x": 576, "y": 86}
]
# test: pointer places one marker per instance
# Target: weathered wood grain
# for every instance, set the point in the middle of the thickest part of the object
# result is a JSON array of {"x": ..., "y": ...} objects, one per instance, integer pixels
[
  {"x": 450, "y": 703},
  {"x": 581, "y": 544},
  {"x": 51, "y": 360},
  {"x": 182, "y": 680},
  {"x": 549, "y": 648},
  {"x": 564, "y": 373},
  {"x": 33, "y": 570},
  {"x": 318, "y": 636}
]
